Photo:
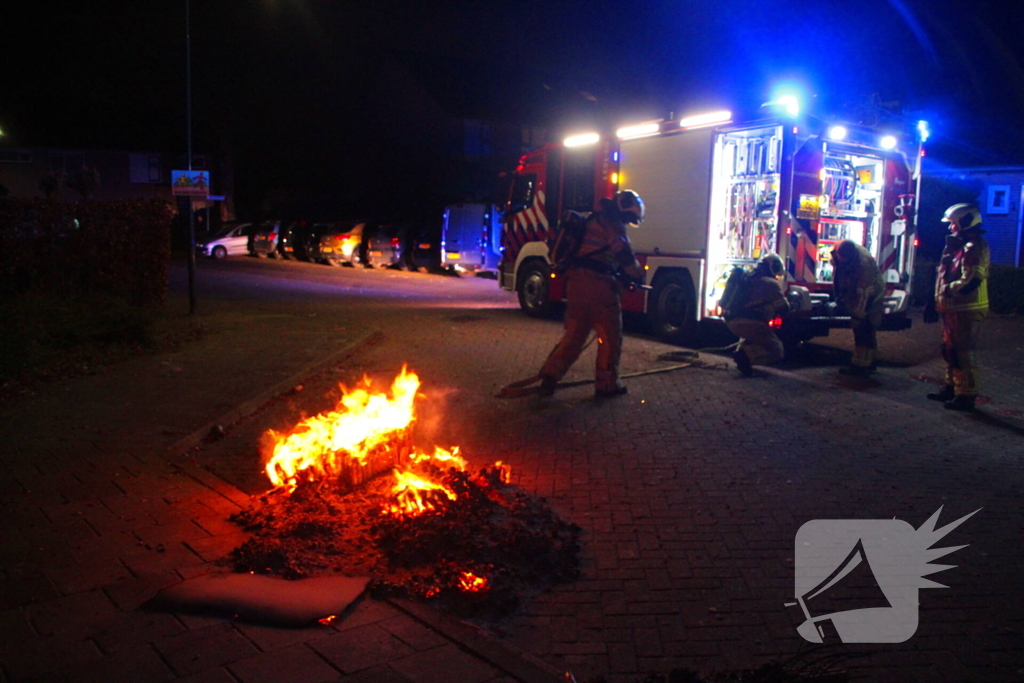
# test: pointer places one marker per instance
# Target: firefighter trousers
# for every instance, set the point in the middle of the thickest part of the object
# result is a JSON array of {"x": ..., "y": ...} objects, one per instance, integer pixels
[
  {"x": 757, "y": 340},
  {"x": 960, "y": 330},
  {"x": 594, "y": 303},
  {"x": 865, "y": 340}
]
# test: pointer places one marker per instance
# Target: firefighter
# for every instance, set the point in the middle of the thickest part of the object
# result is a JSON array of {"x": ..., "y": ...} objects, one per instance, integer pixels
[
  {"x": 763, "y": 301},
  {"x": 859, "y": 290},
  {"x": 961, "y": 296},
  {"x": 593, "y": 290}
]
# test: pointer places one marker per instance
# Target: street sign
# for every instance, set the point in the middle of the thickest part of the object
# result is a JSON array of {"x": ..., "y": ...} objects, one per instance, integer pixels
[{"x": 190, "y": 183}]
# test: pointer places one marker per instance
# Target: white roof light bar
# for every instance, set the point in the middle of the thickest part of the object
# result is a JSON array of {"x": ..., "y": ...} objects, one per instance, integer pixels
[
  {"x": 888, "y": 142},
  {"x": 638, "y": 131},
  {"x": 580, "y": 140},
  {"x": 709, "y": 119}
]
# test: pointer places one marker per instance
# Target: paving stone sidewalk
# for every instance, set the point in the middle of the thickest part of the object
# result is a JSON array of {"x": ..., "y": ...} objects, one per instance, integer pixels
[
  {"x": 101, "y": 511},
  {"x": 690, "y": 490}
]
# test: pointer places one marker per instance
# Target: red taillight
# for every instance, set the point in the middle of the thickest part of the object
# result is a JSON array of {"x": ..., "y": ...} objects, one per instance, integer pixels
[
  {"x": 342, "y": 238},
  {"x": 775, "y": 322},
  {"x": 395, "y": 242},
  {"x": 917, "y": 242},
  {"x": 272, "y": 235}
]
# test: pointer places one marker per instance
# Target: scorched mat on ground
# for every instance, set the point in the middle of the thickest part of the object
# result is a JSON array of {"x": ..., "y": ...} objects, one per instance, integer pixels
[{"x": 475, "y": 555}]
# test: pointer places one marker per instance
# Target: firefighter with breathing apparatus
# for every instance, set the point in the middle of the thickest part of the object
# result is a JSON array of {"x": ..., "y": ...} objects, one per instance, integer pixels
[
  {"x": 859, "y": 292},
  {"x": 749, "y": 306},
  {"x": 595, "y": 275},
  {"x": 961, "y": 297}
]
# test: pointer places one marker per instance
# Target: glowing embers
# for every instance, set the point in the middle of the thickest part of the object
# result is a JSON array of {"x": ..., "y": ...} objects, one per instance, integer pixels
[
  {"x": 426, "y": 525},
  {"x": 471, "y": 583}
]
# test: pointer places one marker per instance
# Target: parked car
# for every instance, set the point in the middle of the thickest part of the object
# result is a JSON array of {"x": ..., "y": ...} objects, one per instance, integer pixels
[
  {"x": 286, "y": 238},
  {"x": 422, "y": 250},
  {"x": 339, "y": 243},
  {"x": 265, "y": 238},
  {"x": 231, "y": 240},
  {"x": 384, "y": 246},
  {"x": 305, "y": 240}
]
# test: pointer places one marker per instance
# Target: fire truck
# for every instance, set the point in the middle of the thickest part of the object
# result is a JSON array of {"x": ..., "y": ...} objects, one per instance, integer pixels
[{"x": 720, "y": 194}]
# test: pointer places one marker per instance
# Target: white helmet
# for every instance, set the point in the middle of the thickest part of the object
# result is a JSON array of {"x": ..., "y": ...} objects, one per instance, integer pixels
[
  {"x": 629, "y": 205},
  {"x": 963, "y": 216}
]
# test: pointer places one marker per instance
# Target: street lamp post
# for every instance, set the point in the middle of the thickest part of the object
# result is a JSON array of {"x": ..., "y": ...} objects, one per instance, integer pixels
[{"x": 188, "y": 137}]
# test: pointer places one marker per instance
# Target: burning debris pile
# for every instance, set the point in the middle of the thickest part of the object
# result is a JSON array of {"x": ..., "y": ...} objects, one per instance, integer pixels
[{"x": 353, "y": 497}]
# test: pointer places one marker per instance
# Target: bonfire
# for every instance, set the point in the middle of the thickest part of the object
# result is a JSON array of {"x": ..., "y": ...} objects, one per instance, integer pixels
[{"x": 351, "y": 495}]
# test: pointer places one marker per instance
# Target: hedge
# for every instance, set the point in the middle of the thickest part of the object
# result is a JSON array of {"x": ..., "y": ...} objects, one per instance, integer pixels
[
  {"x": 1005, "y": 287},
  {"x": 116, "y": 248}
]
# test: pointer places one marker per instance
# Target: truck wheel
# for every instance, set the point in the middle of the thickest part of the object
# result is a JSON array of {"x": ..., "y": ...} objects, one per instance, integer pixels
[
  {"x": 532, "y": 287},
  {"x": 672, "y": 309}
]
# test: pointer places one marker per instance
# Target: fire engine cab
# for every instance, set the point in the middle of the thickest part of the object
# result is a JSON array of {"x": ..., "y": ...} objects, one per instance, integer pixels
[{"x": 720, "y": 194}]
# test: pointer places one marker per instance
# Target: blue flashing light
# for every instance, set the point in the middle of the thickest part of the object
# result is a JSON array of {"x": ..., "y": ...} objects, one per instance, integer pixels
[
  {"x": 788, "y": 102},
  {"x": 615, "y": 156},
  {"x": 923, "y": 131}
]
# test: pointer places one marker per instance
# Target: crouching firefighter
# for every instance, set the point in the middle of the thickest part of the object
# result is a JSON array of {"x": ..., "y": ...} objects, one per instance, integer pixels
[
  {"x": 859, "y": 290},
  {"x": 595, "y": 272},
  {"x": 749, "y": 305},
  {"x": 961, "y": 296}
]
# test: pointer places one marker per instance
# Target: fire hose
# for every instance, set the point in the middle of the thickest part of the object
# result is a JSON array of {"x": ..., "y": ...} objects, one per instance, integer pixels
[{"x": 524, "y": 387}]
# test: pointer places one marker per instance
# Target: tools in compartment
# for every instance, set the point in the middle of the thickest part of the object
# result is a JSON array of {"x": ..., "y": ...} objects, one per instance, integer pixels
[
  {"x": 749, "y": 229},
  {"x": 750, "y": 162}
]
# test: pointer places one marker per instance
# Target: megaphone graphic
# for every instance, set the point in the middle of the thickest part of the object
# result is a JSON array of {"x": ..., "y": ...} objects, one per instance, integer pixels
[{"x": 851, "y": 586}]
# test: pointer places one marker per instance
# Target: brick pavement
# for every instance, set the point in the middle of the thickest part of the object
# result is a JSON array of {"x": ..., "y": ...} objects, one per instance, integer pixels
[
  {"x": 100, "y": 512},
  {"x": 690, "y": 491}
]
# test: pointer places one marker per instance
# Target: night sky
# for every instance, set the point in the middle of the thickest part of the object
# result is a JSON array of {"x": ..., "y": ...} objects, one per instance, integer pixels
[{"x": 281, "y": 84}]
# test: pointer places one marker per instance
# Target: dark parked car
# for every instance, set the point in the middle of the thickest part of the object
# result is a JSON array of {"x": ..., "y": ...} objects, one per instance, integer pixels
[
  {"x": 422, "y": 249},
  {"x": 290, "y": 232},
  {"x": 265, "y": 239},
  {"x": 339, "y": 242},
  {"x": 305, "y": 240},
  {"x": 384, "y": 246}
]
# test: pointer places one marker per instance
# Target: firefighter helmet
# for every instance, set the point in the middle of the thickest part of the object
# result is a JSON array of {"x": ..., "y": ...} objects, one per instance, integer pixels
[
  {"x": 963, "y": 216},
  {"x": 630, "y": 206},
  {"x": 845, "y": 251},
  {"x": 772, "y": 264}
]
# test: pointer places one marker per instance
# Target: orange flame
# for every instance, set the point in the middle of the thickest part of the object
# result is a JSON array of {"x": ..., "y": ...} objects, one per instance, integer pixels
[
  {"x": 319, "y": 446},
  {"x": 323, "y": 446},
  {"x": 415, "y": 494},
  {"x": 471, "y": 583}
]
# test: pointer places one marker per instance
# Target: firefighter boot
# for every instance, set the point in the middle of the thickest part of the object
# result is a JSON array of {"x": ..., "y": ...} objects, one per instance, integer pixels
[
  {"x": 743, "y": 363},
  {"x": 617, "y": 390},
  {"x": 961, "y": 403},
  {"x": 944, "y": 394}
]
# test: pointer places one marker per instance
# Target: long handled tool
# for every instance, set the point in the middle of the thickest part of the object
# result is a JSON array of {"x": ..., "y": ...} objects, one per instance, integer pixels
[{"x": 523, "y": 387}]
